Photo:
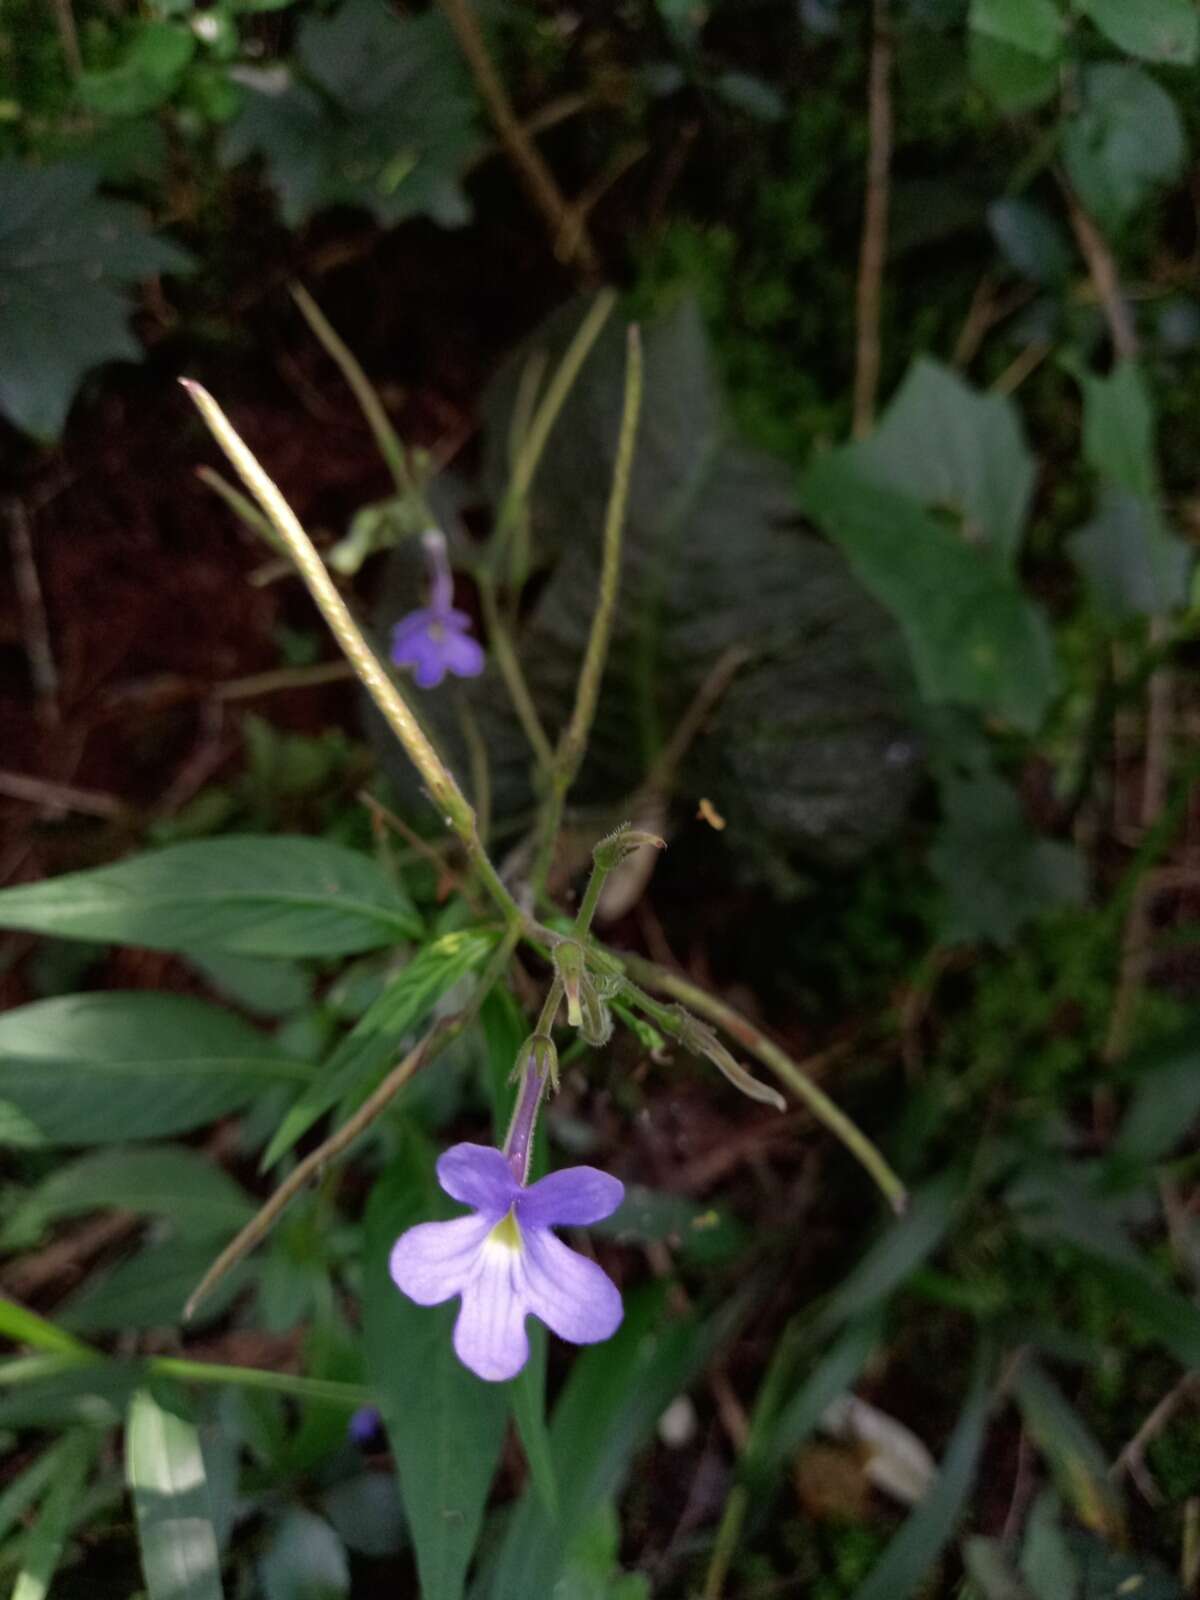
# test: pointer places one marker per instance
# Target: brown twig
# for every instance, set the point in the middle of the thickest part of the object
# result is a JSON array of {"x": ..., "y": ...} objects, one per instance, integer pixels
[
  {"x": 1102, "y": 270},
  {"x": 1132, "y": 1456},
  {"x": 568, "y": 233},
  {"x": 63, "y": 797},
  {"x": 875, "y": 222}
]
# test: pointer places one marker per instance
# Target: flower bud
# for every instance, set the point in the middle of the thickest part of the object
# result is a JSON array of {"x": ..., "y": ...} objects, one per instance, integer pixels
[
  {"x": 621, "y": 843},
  {"x": 537, "y": 1056},
  {"x": 597, "y": 1024},
  {"x": 702, "y": 1040}
]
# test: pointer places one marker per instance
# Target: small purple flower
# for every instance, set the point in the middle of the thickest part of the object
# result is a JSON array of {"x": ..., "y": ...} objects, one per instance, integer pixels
[
  {"x": 437, "y": 639},
  {"x": 365, "y": 1426},
  {"x": 506, "y": 1263}
]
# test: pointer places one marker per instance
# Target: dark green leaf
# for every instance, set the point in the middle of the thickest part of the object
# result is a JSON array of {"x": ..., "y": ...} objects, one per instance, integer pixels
[
  {"x": 995, "y": 872},
  {"x": 67, "y": 262},
  {"x": 148, "y": 74},
  {"x": 444, "y": 1424},
  {"x": 1047, "y": 1564},
  {"x": 164, "y": 1467},
  {"x": 808, "y": 750},
  {"x": 1033, "y": 241},
  {"x": 151, "y": 1289},
  {"x": 1125, "y": 140},
  {"x": 949, "y": 446},
  {"x": 909, "y": 1557},
  {"x": 366, "y": 1513},
  {"x": 1032, "y": 25},
  {"x": 388, "y": 123},
  {"x": 973, "y": 636},
  {"x": 305, "y": 1561},
  {"x": 1077, "y": 1461},
  {"x": 199, "y": 1199},
  {"x": 1156, "y": 30},
  {"x": 267, "y": 988},
  {"x": 1132, "y": 563},
  {"x": 92, "y": 1068},
  {"x": 378, "y": 1040},
  {"x": 900, "y": 1249},
  {"x": 59, "y": 1513},
  {"x": 611, "y": 1401},
  {"x": 1118, "y": 429},
  {"x": 243, "y": 894},
  {"x": 752, "y": 95},
  {"x": 990, "y": 1570},
  {"x": 1108, "y": 1574},
  {"x": 1166, "y": 1100},
  {"x": 592, "y": 1569},
  {"x": 836, "y": 1372},
  {"x": 1015, "y": 79}
]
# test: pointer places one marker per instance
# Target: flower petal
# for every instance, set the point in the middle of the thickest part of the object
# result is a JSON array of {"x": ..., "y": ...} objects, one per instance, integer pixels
[
  {"x": 570, "y": 1198},
  {"x": 429, "y": 667},
  {"x": 489, "y": 1336},
  {"x": 574, "y": 1297},
  {"x": 412, "y": 623},
  {"x": 479, "y": 1176},
  {"x": 463, "y": 655},
  {"x": 433, "y": 1261}
]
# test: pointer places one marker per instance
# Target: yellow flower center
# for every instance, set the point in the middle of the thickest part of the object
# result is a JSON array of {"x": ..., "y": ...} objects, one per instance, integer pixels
[{"x": 506, "y": 1232}]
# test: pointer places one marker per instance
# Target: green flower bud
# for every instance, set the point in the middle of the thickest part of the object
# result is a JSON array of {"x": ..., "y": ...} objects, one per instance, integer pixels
[{"x": 571, "y": 966}]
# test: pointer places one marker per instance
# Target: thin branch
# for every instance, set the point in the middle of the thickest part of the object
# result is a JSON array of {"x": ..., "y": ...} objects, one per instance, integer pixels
[
  {"x": 1102, "y": 270},
  {"x": 439, "y": 780},
  {"x": 387, "y": 440},
  {"x": 280, "y": 678},
  {"x": 568, "y": 235},
  {"x": 63, "y": 797},
  {"x": 573, "y": 743},
  {"x": 34, "y": 624},
  {"x": 873, "y": 251}
]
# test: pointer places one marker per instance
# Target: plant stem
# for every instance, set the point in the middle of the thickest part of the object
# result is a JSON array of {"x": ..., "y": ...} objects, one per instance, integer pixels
[
  {"x": 777, "y": 1061},
  {"x": 340, "y": 1141},
  {"x": 568, "y": 234},
  {"x": 439, "y": 780},
  {"x": 386, "y": 438},
  {"x": 873, "y": 250},
  {"x": 573, "y": 742},
  {"x": 509, "y": 663}
]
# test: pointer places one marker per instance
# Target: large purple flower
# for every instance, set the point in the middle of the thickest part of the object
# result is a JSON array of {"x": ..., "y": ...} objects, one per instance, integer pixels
[
  {"x": 436, "y": 639},
  {"x": 506, "y": 1263}
]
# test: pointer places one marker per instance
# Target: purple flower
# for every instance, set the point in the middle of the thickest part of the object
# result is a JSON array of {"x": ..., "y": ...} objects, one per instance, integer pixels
[
  {"x": 506, "y": 1263},
  {"x": 437, "y": 639},
  {"x": 365, "y": 1426}
]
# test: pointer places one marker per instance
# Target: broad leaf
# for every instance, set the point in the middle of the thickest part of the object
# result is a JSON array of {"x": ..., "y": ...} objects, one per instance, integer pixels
[
  {"x": 243, "y": 894},
  {"x": 913, "y": 1551},
  {"x": 1118, "y": 429},
  {"x": 1124, "y": 141},
  {"x": 164, "y": 1467},
  {"x": 1033, "y": 241},
  {"x": 444, "y": 1424},
  {"x": 1032, "y": 25},
  {"x": 1156, "y": 30},
  {"x": 995, "y": 872},
  {"x": 151, "y": 1289},
  {"x": 949, "y": 446},
  {"x": 148, "y": 74},
  {"x": 93, "y": 1068},
  {"x": 67, "y": 262},
  {"x": 380, "y": 1038},
  {"x": 380, "y": 116},
  {"x": 974, "y": 637},
  {"x": 808, "y": 750},
  {"x": 1015, "y": 79},
  {"x": 1166, "y": 1100},
  {"x": 194, "y": 1194}
]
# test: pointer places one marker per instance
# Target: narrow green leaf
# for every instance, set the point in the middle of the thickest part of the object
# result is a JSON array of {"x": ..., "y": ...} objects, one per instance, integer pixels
[
  {"x": 901, "y": 1248},
  {"x": 244, "y": 894},
  {"x": 92, "y": 1068},
  {"x": 378, "y": 1040},
  {"x": 27, "y": 1487},
  {"x": 445, "y": 1425},
  {"x": 990, "y": 1570},
  {"x": 912, "y": 1553},
  {"x": 26, "y": 1327},
  {"x": 1166, "y": 1100},
  {"x": 164, "y": 1467},
  {"x": 1155, "y": 30},
  {"x": 1078, "y": 1463},
  {"x": 1047, "y": 1563},
  {"x": 614, "y": 1395},
  {"x": 59, "y": 1512},
  {"x": 529, "y": 1413},
  {"x": 201, "y": 1200},
  {"x": 832, "y": 1376},
  {"x": 151, "y": 1289}
]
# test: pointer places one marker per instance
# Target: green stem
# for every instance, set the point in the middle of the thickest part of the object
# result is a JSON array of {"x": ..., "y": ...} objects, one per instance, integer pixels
[
  {"x": 386, "y": 438},
  {"x": 777, "y": 1061},
  {"x": 509, "y": 663},
  {"x": 32, "y": 1368},
  {"x": 572, "y": 745}
]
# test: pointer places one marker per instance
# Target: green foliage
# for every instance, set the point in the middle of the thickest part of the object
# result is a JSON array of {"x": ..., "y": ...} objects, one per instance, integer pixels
[
  {"x": 68, "y": 259},
  {"x": 1125, "y": 141},
  {"x": 375, "y": 113},
  {"x": 165, "y": 1468}
]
